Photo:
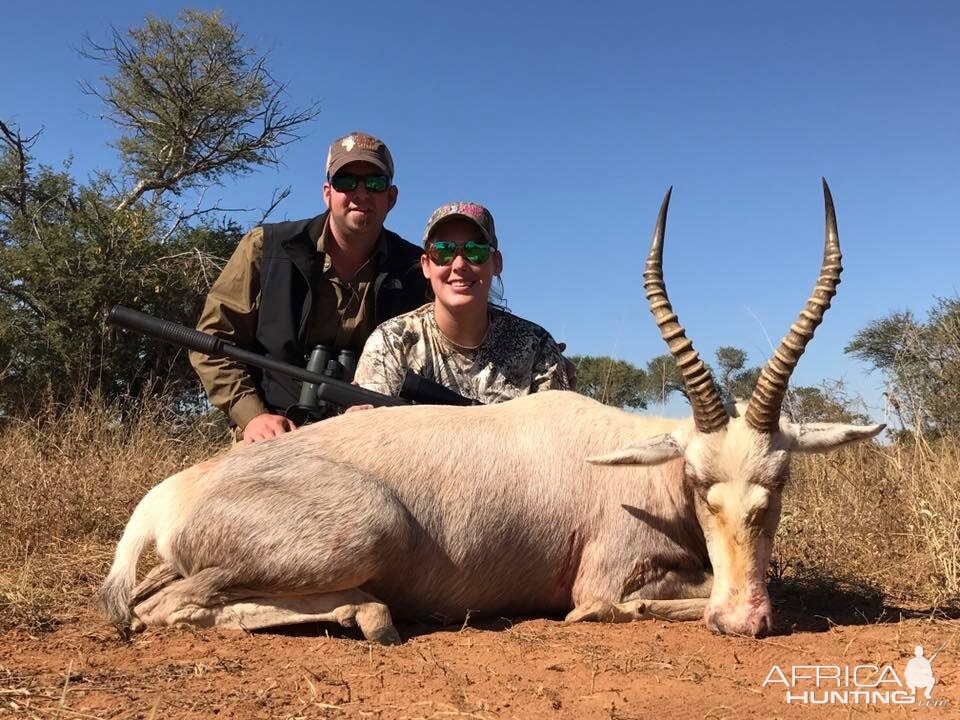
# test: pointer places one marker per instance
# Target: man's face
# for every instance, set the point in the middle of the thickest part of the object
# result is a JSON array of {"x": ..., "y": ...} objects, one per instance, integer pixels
[{"x": 358, "y": 211}]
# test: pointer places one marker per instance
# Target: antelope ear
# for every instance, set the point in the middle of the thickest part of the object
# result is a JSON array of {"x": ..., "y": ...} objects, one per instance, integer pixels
[
  {"x": 652, "y": 451},
  {"x": 824, "y": 437}
]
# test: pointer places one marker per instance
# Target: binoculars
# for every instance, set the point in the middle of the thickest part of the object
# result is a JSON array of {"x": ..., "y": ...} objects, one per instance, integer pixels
[{"x": 324, "y": 360}]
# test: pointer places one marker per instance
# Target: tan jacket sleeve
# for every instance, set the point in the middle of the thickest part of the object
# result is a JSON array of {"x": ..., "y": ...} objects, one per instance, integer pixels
[{"x": 230, "y": 312}]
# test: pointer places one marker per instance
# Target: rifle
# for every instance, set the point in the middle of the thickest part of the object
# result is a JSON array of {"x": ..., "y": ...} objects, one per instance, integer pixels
[{"x": 324, "y": 388}]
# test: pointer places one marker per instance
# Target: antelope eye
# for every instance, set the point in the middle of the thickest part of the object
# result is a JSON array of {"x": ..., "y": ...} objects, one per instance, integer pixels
[
  {"x": 756, "y": 515},
  {"x": 714, "y": 509}
]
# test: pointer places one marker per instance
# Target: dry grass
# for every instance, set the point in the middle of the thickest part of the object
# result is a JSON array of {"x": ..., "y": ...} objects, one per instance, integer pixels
[
  {"x": 882, "y": 518},
  {"x": 68, "y": 481},
  {"x": 887, "y": 518}
]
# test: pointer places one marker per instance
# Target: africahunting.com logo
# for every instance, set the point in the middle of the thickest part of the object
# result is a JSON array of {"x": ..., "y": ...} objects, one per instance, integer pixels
[{"x": 859, "y": 684}]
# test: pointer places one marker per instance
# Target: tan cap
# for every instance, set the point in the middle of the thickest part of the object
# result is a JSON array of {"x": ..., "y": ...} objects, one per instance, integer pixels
[
  {"x": 471, "y": 211},
  {"x": 359, "y": 147}
]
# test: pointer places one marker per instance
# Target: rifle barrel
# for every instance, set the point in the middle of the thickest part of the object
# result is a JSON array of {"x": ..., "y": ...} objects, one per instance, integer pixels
[{"x": 207, "y": 344}]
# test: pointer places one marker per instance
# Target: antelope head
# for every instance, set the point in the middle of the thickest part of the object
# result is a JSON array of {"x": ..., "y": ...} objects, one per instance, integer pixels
[{"x": 737, "y": 460}]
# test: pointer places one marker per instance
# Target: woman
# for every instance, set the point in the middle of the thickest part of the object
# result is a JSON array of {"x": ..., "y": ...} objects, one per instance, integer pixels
[{"x": 461, "y": 339}]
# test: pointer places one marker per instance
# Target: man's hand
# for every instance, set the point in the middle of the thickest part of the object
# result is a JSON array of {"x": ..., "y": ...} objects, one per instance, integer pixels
[
  {"x": 354, "y": 408},
  {"x": 265, "y": 426}
]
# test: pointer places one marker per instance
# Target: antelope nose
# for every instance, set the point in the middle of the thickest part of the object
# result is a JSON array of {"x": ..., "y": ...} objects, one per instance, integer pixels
[{"x": 755, "y": 626}]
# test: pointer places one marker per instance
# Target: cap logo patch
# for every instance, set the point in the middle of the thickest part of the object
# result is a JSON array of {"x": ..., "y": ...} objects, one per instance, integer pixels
[{"x": 472, "y": 210}]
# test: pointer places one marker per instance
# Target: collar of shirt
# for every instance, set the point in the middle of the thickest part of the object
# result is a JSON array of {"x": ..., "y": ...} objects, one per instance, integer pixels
[{"x": 472, "y": 352}]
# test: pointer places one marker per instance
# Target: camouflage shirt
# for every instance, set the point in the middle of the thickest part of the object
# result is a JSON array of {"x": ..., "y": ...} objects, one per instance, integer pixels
[{"x": 516, "y": 358}]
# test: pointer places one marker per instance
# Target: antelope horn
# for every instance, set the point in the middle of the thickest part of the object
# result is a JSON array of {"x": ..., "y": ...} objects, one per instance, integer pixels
[
  {"x": 708, "y": 411},
  {"x": 763, "y": 413}
]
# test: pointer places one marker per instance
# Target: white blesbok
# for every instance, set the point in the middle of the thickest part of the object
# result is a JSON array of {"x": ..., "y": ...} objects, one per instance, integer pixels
[{"x": 551, "y": 503}]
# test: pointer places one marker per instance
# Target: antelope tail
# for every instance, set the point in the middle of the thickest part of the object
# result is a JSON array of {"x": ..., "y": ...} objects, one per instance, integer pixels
[{"x": 114, "y": 598}]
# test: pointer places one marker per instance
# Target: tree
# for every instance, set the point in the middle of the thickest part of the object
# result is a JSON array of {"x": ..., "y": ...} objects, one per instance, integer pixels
[
  {"x": 194, "y": 107},
  {"x": 921, "y": 362},
  {"x": 613, "y": 382},
  {"x": 736, "y": 381},
  {"x": 828, "y": 403},
  {"x": 65, "y": 257},
  {"x": 804, "y": 403},
  {"x": 663, "y": 378},
  {"x": 733, "y": 381}
]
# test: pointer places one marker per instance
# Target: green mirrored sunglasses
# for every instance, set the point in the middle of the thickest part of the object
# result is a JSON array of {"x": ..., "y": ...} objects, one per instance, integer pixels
[
  {"x": 346, "y": 182},
  {"x": 442, "y": 252}
]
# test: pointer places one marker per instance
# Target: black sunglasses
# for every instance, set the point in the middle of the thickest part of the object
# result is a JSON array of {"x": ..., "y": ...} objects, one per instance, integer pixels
[{"x": 345, "y": 182}]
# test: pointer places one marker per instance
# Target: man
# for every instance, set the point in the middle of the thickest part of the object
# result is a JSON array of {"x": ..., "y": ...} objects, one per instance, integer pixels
[{"x": 290, "y": 286}]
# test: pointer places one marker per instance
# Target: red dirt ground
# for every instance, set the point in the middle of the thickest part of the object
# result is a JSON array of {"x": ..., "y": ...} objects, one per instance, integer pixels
[{"x": 497, "y": 669}]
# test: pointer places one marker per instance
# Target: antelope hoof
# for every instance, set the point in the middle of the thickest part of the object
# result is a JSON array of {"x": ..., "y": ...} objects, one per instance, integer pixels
[
  {"x": 384, "y": 636},
  {"x": 592, "y": 611}
]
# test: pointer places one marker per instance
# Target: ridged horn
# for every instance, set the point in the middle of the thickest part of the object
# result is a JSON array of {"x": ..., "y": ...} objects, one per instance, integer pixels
[
  {"x": 763, "y": 413},
  {"x": 708, "y": 411}
]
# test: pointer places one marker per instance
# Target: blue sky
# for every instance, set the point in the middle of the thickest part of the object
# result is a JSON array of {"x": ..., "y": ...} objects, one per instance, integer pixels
[{"x": 570, "y": 121}]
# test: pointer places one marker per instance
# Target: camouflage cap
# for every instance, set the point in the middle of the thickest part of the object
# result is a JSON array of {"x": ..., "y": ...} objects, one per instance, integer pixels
[
  {"x": 359, "y": 147},
  {"x": 471, "y": 211}
]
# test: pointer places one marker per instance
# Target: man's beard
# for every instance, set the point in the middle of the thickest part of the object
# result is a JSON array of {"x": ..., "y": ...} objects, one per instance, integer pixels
[
  {"x": 361, "y": 221},
  {"x": 356, "y": 226}
]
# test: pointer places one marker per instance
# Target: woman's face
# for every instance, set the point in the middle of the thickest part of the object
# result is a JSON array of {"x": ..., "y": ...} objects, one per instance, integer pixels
[{"x": 460, "y": 284}]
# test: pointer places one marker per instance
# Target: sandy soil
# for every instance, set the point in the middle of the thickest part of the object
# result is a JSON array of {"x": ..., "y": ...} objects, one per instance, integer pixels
[{"x": 535, "y": 668}]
